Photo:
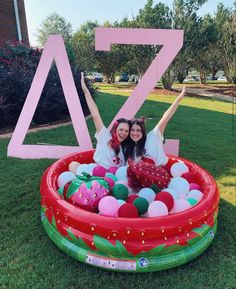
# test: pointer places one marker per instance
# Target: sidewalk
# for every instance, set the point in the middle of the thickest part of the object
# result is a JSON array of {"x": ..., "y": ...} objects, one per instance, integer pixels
[{"x": 207, "y": 93}]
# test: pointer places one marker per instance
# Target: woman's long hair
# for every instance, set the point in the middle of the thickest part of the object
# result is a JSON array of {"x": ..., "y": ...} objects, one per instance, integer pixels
[
  {"x": 130, "y": 147},
  {"x": 114, "y": 142}
]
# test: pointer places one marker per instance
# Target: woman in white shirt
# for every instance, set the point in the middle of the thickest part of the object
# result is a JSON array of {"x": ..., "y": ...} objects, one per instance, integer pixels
[
  {"x": 109, "y": 151},
  {"x": 140, "y": 145}
]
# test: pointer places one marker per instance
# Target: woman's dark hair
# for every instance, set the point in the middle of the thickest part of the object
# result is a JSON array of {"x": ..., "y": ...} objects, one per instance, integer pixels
[
  {"x": 130, "y": 147},
  {"x": 114, "y": 142}
]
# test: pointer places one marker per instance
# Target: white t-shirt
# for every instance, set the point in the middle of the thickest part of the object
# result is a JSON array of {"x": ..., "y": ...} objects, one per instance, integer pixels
[
  {"x": 154, "y": 147},
  {"x": 104, "y": 154}
]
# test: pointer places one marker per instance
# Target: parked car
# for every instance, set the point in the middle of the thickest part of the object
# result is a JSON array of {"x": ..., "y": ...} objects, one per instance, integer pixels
[
  {"x": 124, "y": 77},
  {"x": 221, "y": 78},
  {"x": 97, "y": 77},
  {"x": 191, "y": 78}
]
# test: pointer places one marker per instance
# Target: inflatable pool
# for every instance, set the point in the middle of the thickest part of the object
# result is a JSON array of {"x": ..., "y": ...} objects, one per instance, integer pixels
[{"x": 134, "y": 244}]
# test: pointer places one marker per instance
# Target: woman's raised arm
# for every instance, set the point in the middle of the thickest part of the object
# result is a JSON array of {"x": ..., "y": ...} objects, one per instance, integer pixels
[
  {"x": 170, "y": 112},
  {"x": 92, "y": 106}
]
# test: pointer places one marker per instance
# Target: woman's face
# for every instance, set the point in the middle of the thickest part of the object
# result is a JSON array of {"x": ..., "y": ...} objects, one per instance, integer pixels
[
  {"x": 122, "y": 131},
  {"x": 136, "y": 133}
]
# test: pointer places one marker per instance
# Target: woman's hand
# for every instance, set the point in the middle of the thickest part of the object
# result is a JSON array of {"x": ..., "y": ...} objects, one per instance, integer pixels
[
  {"x": 83, "y": 85},
  {"x": 182, "y": 93}
]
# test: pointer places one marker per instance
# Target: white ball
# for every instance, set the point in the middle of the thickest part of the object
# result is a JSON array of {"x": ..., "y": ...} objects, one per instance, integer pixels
[
  {"x": 147, "y": 194},
  {"x": 73, "y": 166},
  {"x": 180, "y": 206},
  {"x": 195, "y": 194},
  {"x": 82, "y": 168},
  {"x": 121, "y": 173},
  {"x": 90, "y": 168},
  {"x": 157, "y": 209},
  {"x": 179, "y": 168},
  {"x": 180, "y": 185},
  {"x": 64, "y": 178},
  {"x": 121, "y": 202},
  {"x": 174, "y": 194}
]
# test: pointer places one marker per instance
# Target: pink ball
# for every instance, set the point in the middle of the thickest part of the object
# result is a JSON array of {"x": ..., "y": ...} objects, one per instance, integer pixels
[
  {"x": 110, "y": 181},
  {"x": 194, "y": 186},
  {"x": 99, "y": 171},
  {"x": 180, "y": 205},
  {"x": 157, "y": 209},
  {"x": 113, "y": 170},
  {"x": 108, "y": 206}
]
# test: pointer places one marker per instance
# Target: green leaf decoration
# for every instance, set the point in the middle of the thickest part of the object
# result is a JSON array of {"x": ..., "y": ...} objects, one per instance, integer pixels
[
  {"x": 153, "y": 252},
  {"x": 203, "y": 230},
  {"x": 108, "y": 248},
  {"x": 78, "y": 241},
  {"x": 54, "y": 224},
  {"x": 89, "y": 185}
]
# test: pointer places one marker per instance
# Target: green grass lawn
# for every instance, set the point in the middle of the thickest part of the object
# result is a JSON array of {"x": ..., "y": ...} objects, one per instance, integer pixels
[{"x": 30, "y": 260}]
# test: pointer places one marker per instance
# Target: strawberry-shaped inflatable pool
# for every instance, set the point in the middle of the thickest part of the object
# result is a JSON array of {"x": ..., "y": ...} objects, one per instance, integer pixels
[{"x": 129, "y": 244}]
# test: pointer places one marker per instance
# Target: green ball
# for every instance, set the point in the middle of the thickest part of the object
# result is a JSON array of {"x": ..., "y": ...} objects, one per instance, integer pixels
[
  {"x": 192, "y": 201},
  {"x": 120, "y": 192},
  {"x": 60, "y": 191},
  {"x": 111, "y": 176},
  {"x": 141, "y": 204}
]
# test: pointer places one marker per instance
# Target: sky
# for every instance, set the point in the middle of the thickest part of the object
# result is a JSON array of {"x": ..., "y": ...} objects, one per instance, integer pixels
[{"x": 78, "y": 12}]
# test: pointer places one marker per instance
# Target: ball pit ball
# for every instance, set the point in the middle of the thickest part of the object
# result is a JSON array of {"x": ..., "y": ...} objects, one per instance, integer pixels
[
  {"x": 64, "y": 178},
  {"x": 83, "y": 168},
  {"x": 121, "y": 173},
  {"x": 60, "y": 191},
  {"x": 120, "y": 191},
  {"x": 192, "y": 201},
  {"x": 110, "y": 182},
  {"x": 173, "y": 193},
  {"x": 73, "y": 166},
  {"x": 113, "y": 170},
  {"x": 194, "y": 186},
  {"x": 195, "y": 194},
  {"x": 180, "y": 185},
  {"x": 108, "y": 206},
  {"x": 131, "y": 198},
  {"x": 180, "y": 206},
  {"x": 157, "y": 209},
  {"x": 90, "y": 168},
  {"x": 147, "y": 194},
  {"x": 177, "y": 169},
  {"x": 111, "y": 176},
  {"x": 128, "y": 211},
  {"x": 166, "y": 198},
  {"x": 190, "y": 177},
  {"x": 99, "y": 171},
  {"x": 121, "y": 202},
  {"x": 141, "y": 204}
]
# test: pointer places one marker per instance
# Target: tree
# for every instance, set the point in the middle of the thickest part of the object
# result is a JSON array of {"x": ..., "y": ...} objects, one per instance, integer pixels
[
  {"x": 83, "y": 43},
  {"x": 54, "y": 24},
  {"x": 225, "y": 21}
]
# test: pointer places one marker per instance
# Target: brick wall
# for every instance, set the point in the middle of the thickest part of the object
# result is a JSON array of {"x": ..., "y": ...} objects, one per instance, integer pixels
[{"x": 8, "y": 29}]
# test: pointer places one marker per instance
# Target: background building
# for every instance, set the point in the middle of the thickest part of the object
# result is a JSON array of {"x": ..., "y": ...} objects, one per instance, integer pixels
[{"x": 13, "y": 25}]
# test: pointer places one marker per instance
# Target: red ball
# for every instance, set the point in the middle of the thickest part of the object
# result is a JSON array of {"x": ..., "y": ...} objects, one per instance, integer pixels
[
  {"x": 131, "y": 198},
  {"x": 128, "y": 211},
  {"x": 190, "y": 177},
  {"x": 166, "y": 198},
  {"x": 110, "y": 181},
  {"x": 99, "y": 171}
]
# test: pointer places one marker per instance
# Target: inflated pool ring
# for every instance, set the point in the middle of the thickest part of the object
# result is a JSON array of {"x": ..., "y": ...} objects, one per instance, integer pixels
[{"x": 134, "y": 244}]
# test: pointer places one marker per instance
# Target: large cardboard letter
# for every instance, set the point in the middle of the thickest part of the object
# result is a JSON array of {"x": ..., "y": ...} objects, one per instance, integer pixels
[
  {"x": 54, "y": 50},
  {"x": 172, "y": 41}
]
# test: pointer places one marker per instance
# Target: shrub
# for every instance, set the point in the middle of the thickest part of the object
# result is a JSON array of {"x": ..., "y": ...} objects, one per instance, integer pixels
[{"x": 18, "y": 64}]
